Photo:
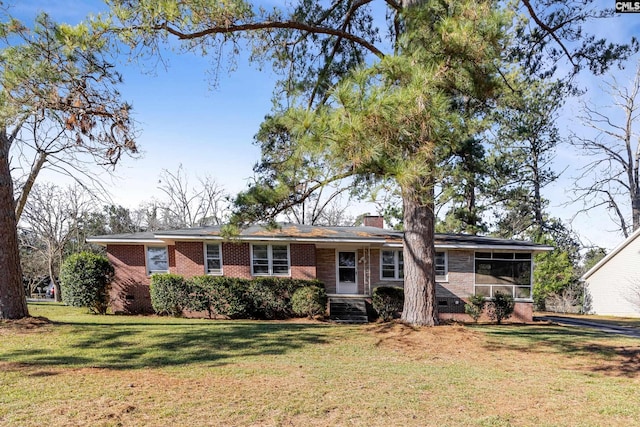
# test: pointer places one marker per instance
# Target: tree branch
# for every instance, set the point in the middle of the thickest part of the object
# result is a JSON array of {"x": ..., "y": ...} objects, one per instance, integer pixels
[{"x": 270, "y": 25}]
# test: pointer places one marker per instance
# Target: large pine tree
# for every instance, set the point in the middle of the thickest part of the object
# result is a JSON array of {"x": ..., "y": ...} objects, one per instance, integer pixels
[
  {"x": 54, "y": 76},
  {"x": 372, "y": 116}
]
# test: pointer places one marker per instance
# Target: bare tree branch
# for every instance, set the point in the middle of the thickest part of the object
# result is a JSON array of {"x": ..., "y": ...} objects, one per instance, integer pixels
[{"x": 613, "y": 173}]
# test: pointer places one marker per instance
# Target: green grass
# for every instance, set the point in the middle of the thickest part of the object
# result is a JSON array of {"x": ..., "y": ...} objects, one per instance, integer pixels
[{"x": 136, "y": 370}]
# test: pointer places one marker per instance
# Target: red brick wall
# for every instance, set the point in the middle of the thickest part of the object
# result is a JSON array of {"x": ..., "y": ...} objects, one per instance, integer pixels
[
  {"x": 130, "y": 288},
  {"x": 236, "y": 261},
  {"x": 326, "y": 268},
  {"x": 373, "y": 221},
  {"x": 523, "y": 313},
  {"x": 172, "y": 259},
  {"x": 303, "y": 261},
  {"x": 189, "y": 258}
]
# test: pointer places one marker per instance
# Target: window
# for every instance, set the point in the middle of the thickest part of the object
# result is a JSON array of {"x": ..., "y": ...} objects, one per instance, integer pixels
[
  {"x": 505, "y": 272},
  {"x": 270, "y": 260},
  {"x": 441, "y": 266},
  {"x": 157, "y": 259},
  {"x": 212, "y": 258},
  {"x": 392, "y": 265}
]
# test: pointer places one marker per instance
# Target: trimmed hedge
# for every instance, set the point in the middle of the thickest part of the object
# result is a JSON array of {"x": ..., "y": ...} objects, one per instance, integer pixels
[
  {"x": 387, "y": 301},
  {"x": 170, "y": 294},
  {"x": 84, "y": 281},
  {"x": 235, "y": 298},
  {"x": 309, "y": 301},
  {"x": 220, "y": 296}
]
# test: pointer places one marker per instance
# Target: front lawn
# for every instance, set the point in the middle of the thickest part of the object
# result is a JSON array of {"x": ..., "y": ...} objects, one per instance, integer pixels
[{"x": 130, "y": 371}]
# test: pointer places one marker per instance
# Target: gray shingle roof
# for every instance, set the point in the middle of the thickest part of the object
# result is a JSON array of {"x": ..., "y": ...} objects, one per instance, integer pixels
[{"x": 318, "y": 234}]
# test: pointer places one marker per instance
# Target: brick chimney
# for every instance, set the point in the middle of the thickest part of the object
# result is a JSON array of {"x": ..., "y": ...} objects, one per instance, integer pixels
[{"x": 373, "y": 221}]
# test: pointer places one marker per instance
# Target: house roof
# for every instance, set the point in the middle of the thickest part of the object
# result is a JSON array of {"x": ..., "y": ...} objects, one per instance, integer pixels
[
  {"x": 317, "y": 234},
  {"x": 141, "y": 237},
  {"x": 611, "y": 254}
]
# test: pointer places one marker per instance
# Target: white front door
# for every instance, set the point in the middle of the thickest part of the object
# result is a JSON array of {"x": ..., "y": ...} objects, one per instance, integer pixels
[{"x": 347, "y": 274}]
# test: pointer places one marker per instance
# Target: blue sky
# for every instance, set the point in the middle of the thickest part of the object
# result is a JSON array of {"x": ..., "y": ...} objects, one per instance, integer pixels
[{"x": 183, "y": 120}]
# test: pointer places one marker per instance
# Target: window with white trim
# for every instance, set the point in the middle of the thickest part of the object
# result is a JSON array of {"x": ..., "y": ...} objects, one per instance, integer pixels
[
  {"x": 506, "y": 272},
  {"x": 392, "y": 265},
  {"x": 442, "y": 266},
  {"x": 157, "y": 259},
  {"x": 213, "y": 258},
  {"x": 270, "y": 260}
]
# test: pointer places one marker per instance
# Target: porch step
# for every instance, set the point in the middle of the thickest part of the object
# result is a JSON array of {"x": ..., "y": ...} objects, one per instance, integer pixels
[{"x": 348, "y": 310}]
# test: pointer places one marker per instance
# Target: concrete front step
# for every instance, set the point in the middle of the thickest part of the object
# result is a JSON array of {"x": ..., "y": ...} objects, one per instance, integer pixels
[{"x": 348, "y": 310}]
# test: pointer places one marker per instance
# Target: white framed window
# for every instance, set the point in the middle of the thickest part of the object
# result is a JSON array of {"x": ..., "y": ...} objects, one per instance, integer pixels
[
  {"x": 213, "y": 258},
  {"x": 392, "y": 265},
  {"x": 442, "y": 266},
  {"x": 506, "y": 272},
  {"x": 270, "y": 260},
  {"x": 157, "y": 258}
]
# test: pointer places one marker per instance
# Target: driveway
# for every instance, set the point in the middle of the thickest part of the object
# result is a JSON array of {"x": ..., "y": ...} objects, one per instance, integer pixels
[{"x": 591, "y": 324}]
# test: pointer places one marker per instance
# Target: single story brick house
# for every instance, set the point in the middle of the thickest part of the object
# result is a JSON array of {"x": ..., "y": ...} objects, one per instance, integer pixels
[{"x": 350, "y": 261}]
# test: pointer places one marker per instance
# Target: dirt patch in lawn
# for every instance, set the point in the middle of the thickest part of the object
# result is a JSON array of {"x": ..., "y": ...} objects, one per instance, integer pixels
[
  {"x": 444, "y": 342},
  {"x": 24, "y": 324},
  {"x": 451, "y": 343}
]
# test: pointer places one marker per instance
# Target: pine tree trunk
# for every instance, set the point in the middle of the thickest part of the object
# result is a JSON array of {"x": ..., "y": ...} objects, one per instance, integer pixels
[
  {"x": 420, "y": 307},
  {"x": 13, "y": 304}
]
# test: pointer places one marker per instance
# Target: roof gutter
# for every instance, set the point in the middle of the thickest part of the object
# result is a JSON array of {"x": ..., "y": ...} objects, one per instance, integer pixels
[
  {"x": 533, "y": 249},
  {"x": 105, "y": 242},
  {"x": 269, "y": 239}
]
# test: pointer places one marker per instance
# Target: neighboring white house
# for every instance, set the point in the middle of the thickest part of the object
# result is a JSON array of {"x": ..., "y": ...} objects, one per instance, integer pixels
[{"x": 613, "y": 284}]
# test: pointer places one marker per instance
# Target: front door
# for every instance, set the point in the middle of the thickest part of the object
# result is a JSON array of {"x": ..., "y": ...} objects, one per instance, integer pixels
[{"x": 347, "y": 273}]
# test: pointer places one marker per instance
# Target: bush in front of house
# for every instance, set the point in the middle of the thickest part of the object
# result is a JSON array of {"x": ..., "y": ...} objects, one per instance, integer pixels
[
  {"x": 84, "y": 281},
  {"x": 475, "y": 306},
  {"x": 236, "y": 298},
  {"x": 218, "y": 295},
  {"x": 309, "y": 301},
  {"x": 170, "y": 294},
  {"x": 387, "y": 301},
  {"x": 270, "y": 297},
  {"x": 501, "y": 307}
]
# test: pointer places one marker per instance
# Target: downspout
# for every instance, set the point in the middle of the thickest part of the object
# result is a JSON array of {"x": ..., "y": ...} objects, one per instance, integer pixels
[{"x": 369, "y": 270}]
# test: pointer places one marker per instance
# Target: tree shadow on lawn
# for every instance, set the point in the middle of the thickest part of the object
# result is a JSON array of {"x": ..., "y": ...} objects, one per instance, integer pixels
[
  {"x": 612, "y": 354},
  {"x": 135, "y": 346}
]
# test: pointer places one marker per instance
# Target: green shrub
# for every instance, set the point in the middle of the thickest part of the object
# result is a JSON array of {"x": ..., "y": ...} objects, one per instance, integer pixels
[
  {"x": 475, "y": 306},
  {"x": 222, "y": 296},
  {"x": 169, "y": 294},
  {"x": 309, "y": 301},
  {"x": 501, "y": 307},
  {"x": 387, "y": 301},
  {"x": 260, "y": 298},
  {"x": 84, "y": 281},
  {"x": 270, "y": 297},
  {"x": 268, "y": 300}
]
